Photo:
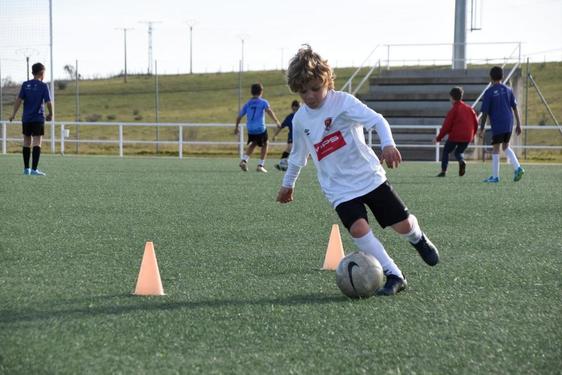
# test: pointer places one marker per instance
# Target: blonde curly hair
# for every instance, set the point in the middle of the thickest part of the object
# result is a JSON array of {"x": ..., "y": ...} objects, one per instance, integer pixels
[{"x": 307, "y": 66}]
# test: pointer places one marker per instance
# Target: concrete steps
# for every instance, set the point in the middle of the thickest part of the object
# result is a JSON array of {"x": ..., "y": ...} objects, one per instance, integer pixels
[{"x": 420, "y": 97}]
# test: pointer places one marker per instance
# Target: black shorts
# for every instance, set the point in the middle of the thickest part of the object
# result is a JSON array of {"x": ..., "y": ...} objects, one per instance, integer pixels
[
  {"x": 33, "y": 128},
  {"x": 258, "y": 139},
  {"x": 384, "y": 203},
  {"x": 501, "y": 138}
]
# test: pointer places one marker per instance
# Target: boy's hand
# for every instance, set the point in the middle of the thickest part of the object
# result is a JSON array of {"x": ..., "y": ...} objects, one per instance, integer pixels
[
  {"x": 480, "y": 133},
  {"x": 49, "y": 117},
  {"x": 391, "y": 156},
  {"x": 11, "y": 118},
  {"x": 236, "y": 131},
  {"x": 435, "y": 141},
  {"x": 285, "y": 195},
  {"x": 518, "y": 130}
]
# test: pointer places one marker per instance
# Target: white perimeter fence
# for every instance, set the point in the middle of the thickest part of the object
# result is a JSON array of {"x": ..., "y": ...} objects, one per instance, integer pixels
[{"x": 182, "y": 143}]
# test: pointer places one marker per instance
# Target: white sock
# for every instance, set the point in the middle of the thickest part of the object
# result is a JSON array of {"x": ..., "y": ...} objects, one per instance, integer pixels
[
  {"x": 495, "y": 165},
  {"x": 415, "y": 235},
  {"x": 371, "y": 245},
  {"x": 512, "y": 157},
  {"x": 261, "y": 162},
  {"x": 245, "y": 158}
]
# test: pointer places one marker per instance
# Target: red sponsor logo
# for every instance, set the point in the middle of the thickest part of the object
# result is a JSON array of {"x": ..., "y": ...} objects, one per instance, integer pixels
[{"x": 329, "y": 144}]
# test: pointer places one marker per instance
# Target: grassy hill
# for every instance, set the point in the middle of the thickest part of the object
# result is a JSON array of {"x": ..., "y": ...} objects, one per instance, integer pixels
[{"x": 213, "y": 97}]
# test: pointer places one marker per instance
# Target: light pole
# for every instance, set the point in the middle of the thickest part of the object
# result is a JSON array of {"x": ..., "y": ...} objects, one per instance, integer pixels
[
  {"x": 190, "y": 24},
  {"x": 125, "y": 49},
  {"x": 190, "y": 49},
  {"x": 27, "y": 53},
  {"x": 242, "y": 58}
]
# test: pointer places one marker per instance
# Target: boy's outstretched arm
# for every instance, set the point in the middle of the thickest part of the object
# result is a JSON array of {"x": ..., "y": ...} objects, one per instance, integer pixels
[
  {"x": 273, "y": 117},
  {"x": 483, "y": 118},
  {"x": 236, "y": 130},
  {"x": 277, "y": 131},
  {"x": 50, "y": 108},
  {"x": 285, "y": 194},
  {"x": 391, "y": 156},
  {"x": 390, "y": 153},
  {"x": 17, "y": 104},
  {"x": 518, "y": 121}
]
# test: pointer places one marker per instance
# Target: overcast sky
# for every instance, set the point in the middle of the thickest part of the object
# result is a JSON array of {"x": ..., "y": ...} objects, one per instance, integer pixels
[{"x": 344, "y": 32}]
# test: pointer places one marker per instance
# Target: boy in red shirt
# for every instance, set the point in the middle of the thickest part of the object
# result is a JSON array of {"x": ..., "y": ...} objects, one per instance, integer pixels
[{"x": 461, "y": 125}]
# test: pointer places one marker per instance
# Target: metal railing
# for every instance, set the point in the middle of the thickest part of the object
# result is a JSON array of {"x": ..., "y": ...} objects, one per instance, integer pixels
[
  {"x": 348, "y": 84},
  {"x": 181, "y": 142}
]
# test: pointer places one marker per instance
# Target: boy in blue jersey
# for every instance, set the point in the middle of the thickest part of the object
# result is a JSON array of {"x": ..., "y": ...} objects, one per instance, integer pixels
[
  {"x": 499, "y": 103},
  {"x": 287, "y": 123},
  {"x": 255, "y": 110},
  {"x": 33, "y": 94}
]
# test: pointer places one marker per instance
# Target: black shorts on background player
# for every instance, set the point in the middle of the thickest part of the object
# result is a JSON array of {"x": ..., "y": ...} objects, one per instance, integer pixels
[
  {"x": 384, "y": 203},
  {"x": 33, "y": 129},
  {"x": 258, "y": 139},
  {"x": 501, "y": 138}
]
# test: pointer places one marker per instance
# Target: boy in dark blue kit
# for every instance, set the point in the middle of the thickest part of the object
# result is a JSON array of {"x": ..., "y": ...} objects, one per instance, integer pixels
[
  {"x": 287, "y": 123},
  {"x": 33, "y": 94},
  {"x": 255, "y": 110},
  {"x": 499, "y": 103}
]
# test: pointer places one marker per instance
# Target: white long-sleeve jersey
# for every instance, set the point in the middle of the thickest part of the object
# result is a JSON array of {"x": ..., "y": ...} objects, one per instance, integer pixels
[{"x": 333, "y": 136}]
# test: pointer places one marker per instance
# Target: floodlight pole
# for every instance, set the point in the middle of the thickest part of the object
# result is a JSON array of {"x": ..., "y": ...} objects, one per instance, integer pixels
[
  {"x": 53, "y": 148},
  {"x": 459, "y": 46}
]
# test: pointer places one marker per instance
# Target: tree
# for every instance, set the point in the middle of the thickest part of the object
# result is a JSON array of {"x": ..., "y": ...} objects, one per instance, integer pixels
[{"x": 69, "y": 69}]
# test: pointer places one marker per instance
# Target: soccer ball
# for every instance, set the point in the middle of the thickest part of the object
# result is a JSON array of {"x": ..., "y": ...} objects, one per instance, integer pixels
[
  {"x": 283, "y": 164},
  {"x": 359, "y": 275}
]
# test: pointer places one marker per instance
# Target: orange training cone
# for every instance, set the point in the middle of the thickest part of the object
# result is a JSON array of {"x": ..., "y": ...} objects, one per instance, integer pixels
[
  {"x": 149, "y": 283},
  {"x": 334, "y": 252}
]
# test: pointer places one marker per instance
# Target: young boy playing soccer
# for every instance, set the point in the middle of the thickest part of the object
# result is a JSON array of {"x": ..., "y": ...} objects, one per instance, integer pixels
[
  {"x": 499, "y": 103},
  {"x": 33, "y": 94},
  {"x": 461, "y": 125},
  {"x": 329, "y": 127},
  {"x": 255, "y": 110},
  {"x": 288, "y": 123}
]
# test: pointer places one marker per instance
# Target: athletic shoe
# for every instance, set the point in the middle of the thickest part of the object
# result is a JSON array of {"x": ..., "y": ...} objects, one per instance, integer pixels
[
  {"x": 427, "y": 250},
  {"x": 519, "y": 172},
  {"x": 27, "y": 171},
  {"x": 260, "y": 168},
  {"x": 462, "y": 168},
  {"x": 37, "y": 172},
  {"x": 243, "y": 165},
  {"x": 393, "y": 285},
  {"x": 492, "y": 180},
  {"x": 441, "y": 174},
  {"x": 277, "y": 167}
]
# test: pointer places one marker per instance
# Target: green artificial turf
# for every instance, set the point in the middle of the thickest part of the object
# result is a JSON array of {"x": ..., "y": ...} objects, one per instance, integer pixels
[{"x": 244, "y": 289}]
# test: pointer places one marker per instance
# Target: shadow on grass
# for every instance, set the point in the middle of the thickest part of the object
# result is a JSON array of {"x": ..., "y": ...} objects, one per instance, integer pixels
[{"x": 150, "y": 304}]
